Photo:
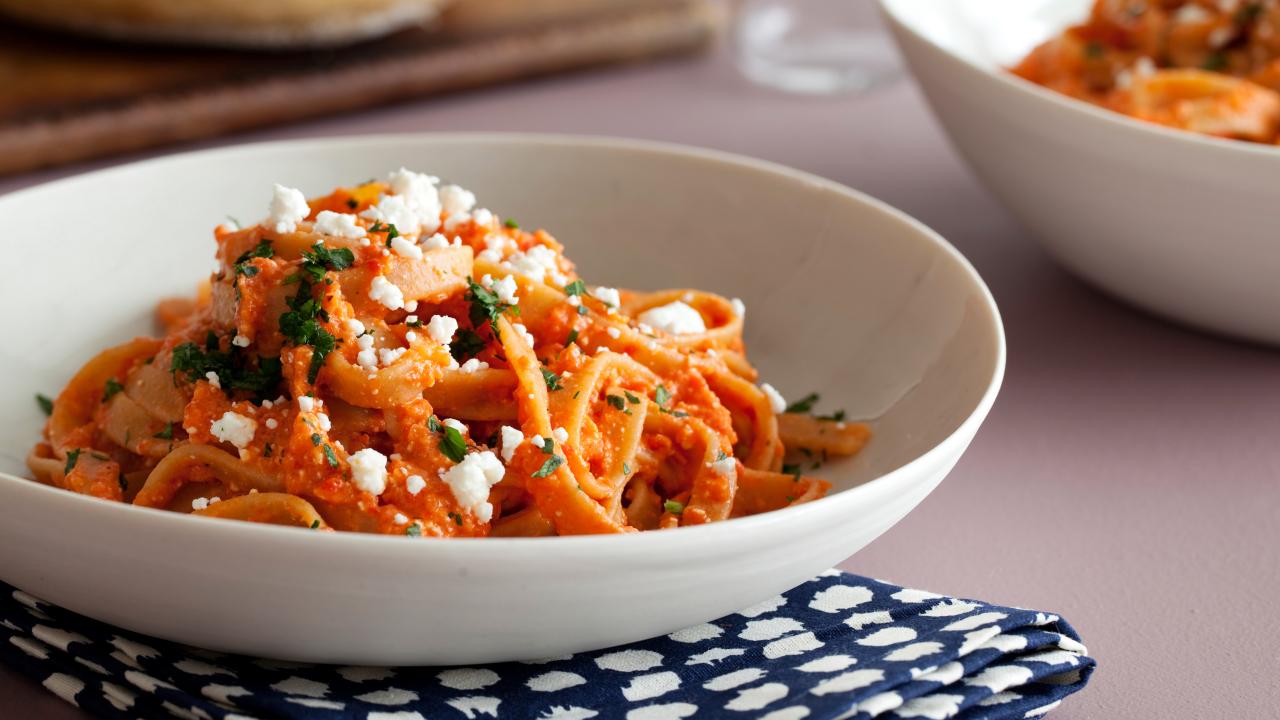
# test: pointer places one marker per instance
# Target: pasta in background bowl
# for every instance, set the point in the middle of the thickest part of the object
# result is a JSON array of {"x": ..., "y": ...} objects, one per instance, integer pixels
[
  {"x": 842, "y": 296},
  {"x": 1176, "y": 222}
]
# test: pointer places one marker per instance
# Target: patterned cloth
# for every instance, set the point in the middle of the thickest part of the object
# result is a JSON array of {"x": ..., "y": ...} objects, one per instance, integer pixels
[{"x": 838, "y": 646}]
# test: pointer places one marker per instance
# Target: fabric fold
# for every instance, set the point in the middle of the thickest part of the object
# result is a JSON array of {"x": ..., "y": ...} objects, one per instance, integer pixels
[{"x": 838, "y": 646}]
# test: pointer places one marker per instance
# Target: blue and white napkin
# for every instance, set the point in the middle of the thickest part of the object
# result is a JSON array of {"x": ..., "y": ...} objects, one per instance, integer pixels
[{"x": 838, "y": 646}]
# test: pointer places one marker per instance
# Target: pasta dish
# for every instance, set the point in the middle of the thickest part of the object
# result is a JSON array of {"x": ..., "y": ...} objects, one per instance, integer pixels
[
  {"x": 391, "y": 358},
  {"x": 1207, "y": 66}
]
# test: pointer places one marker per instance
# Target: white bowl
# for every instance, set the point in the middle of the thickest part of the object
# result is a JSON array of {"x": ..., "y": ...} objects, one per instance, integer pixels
[
  {"x": 1177, "y": 223},
  {"x": 844, "y": 295}
]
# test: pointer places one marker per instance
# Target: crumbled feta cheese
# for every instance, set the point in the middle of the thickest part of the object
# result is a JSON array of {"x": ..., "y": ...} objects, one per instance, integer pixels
[
  {"x": 482, "y": 217},
  {"x": 538, "y": 263},
  {"x": 471, "y": 479},
  {"x": 401, "y": 519},
  {"x": 505, "y": 289},
  {"x": 234, "y": 428},
  {"x": 338, "y": 224},
  {"x": 1192, "y": 13},
  {"x": 473, "y": 365},
  {"x": 288, "y": 207},
  {"x": 675, "y": 318},
  {"x": 436, "y": 242},
  {"x": 385, "y": 292},
  {"x": 241, "y": 341},
  {"x": 601, "y": 349},
  {"x": 496, "y": 248},
  {"x": 411, "y": 306},
  {"x": 607, "y": 295},
  {"x": 405, "y": 248},
  {"x": 200, "y": 503},
  {"x": 355, "y": 327},
  {"x": 453, "y": 222},
  {"x": 367, "y": 357},
  {"x": 369, "y": 470},
  {"x": 414, "y": 484},
  {"x": 456, "y": 200},
  {"x": 776, "y": 402},
  {"x": 411, "y": 337},
  {"x": 456, "y": 425},
  {"x": 323, "y": 422},
  {"x": 538, "y": 441},
  {"x": 420, "y": 195},
  {"x": 388, "y": 356},
  {"x": 726, "y": 467},
  {"x": 574, "y": 300},
  {"x": 394, "y": 210},
  {"x": 739, "y": 307},
  {"x": 511, "y": 439},
  {"x": 614, "y": 333},
  {"x": 524, "y": 333},
  {"x": 561, "y": 435},
  {"x": 272, "y": 423},
  {"x": 441, "y": 329},
  {"x": 268, "y": 404},
  {"x": 306, "y": 403},
  {"x": 212, "y": 378}
]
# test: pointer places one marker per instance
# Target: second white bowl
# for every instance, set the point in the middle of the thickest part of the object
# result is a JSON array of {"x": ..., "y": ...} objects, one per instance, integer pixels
[{"x": 1180, "y": 224}]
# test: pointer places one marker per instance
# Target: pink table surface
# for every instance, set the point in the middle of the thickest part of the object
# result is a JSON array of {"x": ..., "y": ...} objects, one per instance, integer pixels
[{"x": 1129, "y": 475}]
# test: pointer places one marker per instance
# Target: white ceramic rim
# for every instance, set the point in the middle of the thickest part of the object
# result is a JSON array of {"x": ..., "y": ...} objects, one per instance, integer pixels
[
  {"x": 629, "y": 542},
  {"x": 1120, "y": 121}
]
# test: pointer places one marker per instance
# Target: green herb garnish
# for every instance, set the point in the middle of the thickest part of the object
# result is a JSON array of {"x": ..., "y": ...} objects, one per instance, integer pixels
[
  {"x": 262, "y": 250},
  {"x": 673, "y": 507},
  {"x": 433, "y": 424},
  {"x": 45, "y": 403},
  {"x": 315, "y": 524},
  {"x": 804, "y": 404},
  {"x": 413, "y": 530},
  {"x": 552, "y": 379},
  {"x": 452, "y": 444},
  {"x": 616, "y": 401},
  {"x": 466, "y": 345},
  {"x": 166, "y": 433},
  {"x": 549, "y": 466},
  {"x": 577, "y": 287},
  {"x": 631, "y": 398},
  {"x": 112, "y": 387},
  {"x": 330, "y": 456},
  {"x": 456, "y": 518},
  {"x": 511, "y": 223},
  {"x": 573, "y": 335},
  {"x": 72, "y": 457},
  {"x": 485, "y": 305}
]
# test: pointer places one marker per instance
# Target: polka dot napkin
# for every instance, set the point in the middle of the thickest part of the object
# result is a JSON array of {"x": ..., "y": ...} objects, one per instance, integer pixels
[{"x": 838, "y": 646}]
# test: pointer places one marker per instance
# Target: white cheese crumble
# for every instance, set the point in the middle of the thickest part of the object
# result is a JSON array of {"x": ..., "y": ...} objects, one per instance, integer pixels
[
  {"x": 212, "y": 378},
  {"x": 385, "y": 292},
  {"x": 538, "y": 441},
  {"x": 505, "y": 289},
  {"x": 524, "y": 333},
  {"x": 607, "y": 295},
  {"x": 411, "y": 306},
  {"x": 367, "y": 357},
  {"x": 473, "y": 365},
  {"x": 614, "y": 333},
  {"x": 369, "y": 470},
  {"x": 471, "y": 479},
  {"x": 342, "y": 225},
  {"x": 234, "y": 428},
  {"x": 405, "y": 248},
  {"x": 200, "y": 503},
  {"x": 456, "y": 425},
  {"x": 561, "y": 435},
  {"x": 511, "y": 439},
  {"x": 272, "y": 424},
  {"x": 482, "y": 217},
  {"x": 388, "y": 356},
  {"x": 306, "y": 403},
  {"x": 675, "y": 318},
  {"x": 776, "y": 401},
  {"x": 401, "y": 519},
  {"x": 241, "y": 341},
  {"x": 496, "y": 247},
  {"x": 414, "y": 484},
  {"x": 420, "y": 196},
  {"x": 739, "y": 307},
  {"x": 441, "y": 329},
  {"x": 355, "y": 326},
  {"x": 726, "y": 467},
  {"x": 394, "y": 210},
  {"x": 538, "y": 263},
  {"x": 323, "y": 422},
  {"x": 456, "y": 200},
  {"x": 288, "y": 207},
  {"x": 436, "y": 242}
]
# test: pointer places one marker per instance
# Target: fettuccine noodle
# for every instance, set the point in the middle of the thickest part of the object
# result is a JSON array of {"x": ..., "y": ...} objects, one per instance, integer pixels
[{"x": 391, "y": 359}]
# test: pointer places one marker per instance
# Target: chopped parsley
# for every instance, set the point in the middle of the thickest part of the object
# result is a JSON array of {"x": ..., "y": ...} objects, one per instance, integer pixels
[
  {"x": 631, "y": 398},
  {"x": 452, "y": 444},
  {"x": 511, "y": 223},
  {"x": 316, "y": 439},
  {"x": 549, "y": 466},
  {"x": 261, "y": 250},
  {"x": 485, "y": 305},
  {"x": 266, "y": 450},
  {"x": 233, "y": 368},
  {"x": 616, "y": 401},
  {"x": 124, "y": 484},
  {"x": 573, "y": 335},
  {"x": 413, "y": 530},
  {"x": 456, "y": 518},
  {"x": 626, "y": 469},
  {"x": 166, "y": 433},
  {"x": 72, "y": 457},
  {"x": 45, "y": 403},
  {"x": 804, "y": 404},
  {"x": 837, "y": 416},
  {"x": 466, "y": 345},
  {"x": 792, "y": 469},
  {"x": 109, "y": 390},
  {"x": 552, "y": 379},
  {"x": 301, "y": 324},
  {"x": 1216, "y": 62},
  {"x": 673, "y": 507},
  {"x": 353, "y": 203},
  {"x": 577, "y": 287},
  {"x": 315, "y": 524},
  {"x": 433, "y": 424},
  {"x": 389, "y": 229},
  {"x": 330, "y": 456}
]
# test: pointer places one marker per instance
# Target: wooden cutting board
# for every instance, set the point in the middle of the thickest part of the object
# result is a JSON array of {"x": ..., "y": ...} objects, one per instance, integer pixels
[{"x": 64, "y": 99}]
